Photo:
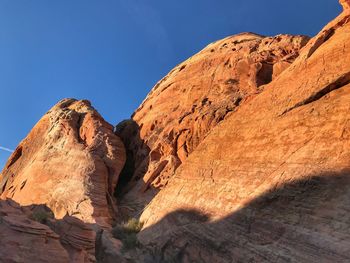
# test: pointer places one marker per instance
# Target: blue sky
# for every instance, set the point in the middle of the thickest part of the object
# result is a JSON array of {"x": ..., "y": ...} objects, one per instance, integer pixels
[{"x": 113, "y": 51}]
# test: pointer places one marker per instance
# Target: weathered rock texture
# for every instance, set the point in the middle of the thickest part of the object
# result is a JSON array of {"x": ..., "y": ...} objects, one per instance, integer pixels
[
  {"x": 247, "y": 141},
  {"x": 69, "y": 162},
  {"x": 195, "y": 97},
  {"x": 270, "y": 183}
]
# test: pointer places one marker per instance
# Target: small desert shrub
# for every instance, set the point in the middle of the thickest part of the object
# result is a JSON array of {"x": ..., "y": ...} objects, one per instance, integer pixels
[
  {"x": 41, "y": 216},
  {"x": 127, "y": 232},
  {"x": 133, "y": 225}
]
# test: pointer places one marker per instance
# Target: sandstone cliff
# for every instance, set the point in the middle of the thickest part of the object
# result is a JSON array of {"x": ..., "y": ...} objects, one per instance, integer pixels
[
  {"x": 240, "y": 154},
  {"x": 271, "y": 182}
]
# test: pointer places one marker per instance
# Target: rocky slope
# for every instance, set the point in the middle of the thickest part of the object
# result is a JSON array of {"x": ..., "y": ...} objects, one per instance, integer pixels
[{"x": 242, "y": 151}]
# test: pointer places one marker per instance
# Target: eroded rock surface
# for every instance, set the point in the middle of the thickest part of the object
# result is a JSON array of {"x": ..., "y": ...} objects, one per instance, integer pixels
[
  {"x": 271, "y": 182},
  {"x": 70, "y": 162},
  {"x": 195, "y": 97},
  {"x": 248, "y": 142}
]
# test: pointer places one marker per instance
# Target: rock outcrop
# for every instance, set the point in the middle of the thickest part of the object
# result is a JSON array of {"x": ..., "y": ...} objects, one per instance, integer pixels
[
  {"x": 271, "y": 182},
  {"x": 70, "y": 162},
  {"x": 195, "y": 97},
  {"x": 246, "y": 144}
]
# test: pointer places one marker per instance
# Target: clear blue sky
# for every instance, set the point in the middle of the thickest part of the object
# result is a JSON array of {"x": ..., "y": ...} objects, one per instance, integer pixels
[{"x": 113, "y": 51}]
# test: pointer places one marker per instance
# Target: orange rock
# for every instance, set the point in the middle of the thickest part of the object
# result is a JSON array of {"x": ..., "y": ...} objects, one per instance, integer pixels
[
  {"x": 345, "y": 4},
  {"x": 247, "y": 143},
  {"x": 70, "y": 161},
  {"x": 270, "y": 183},
  {"x": 195, "y": 97}
]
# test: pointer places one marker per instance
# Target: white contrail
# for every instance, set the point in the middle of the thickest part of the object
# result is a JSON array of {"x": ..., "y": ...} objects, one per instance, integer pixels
[{"x": 6, "y": 149}]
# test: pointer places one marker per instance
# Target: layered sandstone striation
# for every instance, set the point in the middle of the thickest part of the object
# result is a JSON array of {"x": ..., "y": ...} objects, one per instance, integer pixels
[
  {"x": 195, "y": 97},
  {"x": 271, "y": 182}
]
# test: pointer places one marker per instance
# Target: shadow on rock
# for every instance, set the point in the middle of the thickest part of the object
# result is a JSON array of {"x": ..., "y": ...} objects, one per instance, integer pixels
[
  {"x": 32, "y": 234},
  {"x": 137, "y": 162},
  {"x": 302, "y": 221}
]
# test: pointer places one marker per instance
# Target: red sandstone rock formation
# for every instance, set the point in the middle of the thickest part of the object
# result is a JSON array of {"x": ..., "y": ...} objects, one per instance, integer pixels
[
  {"x": 247, "y": 141},
  {"x": 271, "y": 182},
  {"x": 196, "y": 96},
  {"x": 70, "y": 162}
]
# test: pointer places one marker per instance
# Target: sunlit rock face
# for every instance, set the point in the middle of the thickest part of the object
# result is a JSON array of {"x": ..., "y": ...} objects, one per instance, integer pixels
[
  {"x": 269, "y": 183},
  {"x": 247, "y": 144},
  {"x": 195, "y": 97},
  {"x": 67, "y": 166},
  {"x": 345, "y": 4},
  {"x": 70, "y": 162}
]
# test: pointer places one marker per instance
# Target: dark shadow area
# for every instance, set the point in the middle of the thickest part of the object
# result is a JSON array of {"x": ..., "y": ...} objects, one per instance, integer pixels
[
  {"x": 137, "y": 155},
  {"x": 264, "y": 75},
  {"x": 32, "y": 234},
  {"x": 131, "y": 192},
  {"x": 302, "y": 221}
]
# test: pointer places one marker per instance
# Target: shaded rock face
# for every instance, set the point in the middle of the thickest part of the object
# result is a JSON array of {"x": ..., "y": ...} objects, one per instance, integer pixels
[
  {"x": 70, "y": 161},
  {"x": 272, "y": 179},
  {"x": 32, "y": 234},
  {"x": 25, "y": 240},
  {"x": 299, "y": 221},
  {"x": 194, "y": 98}
]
